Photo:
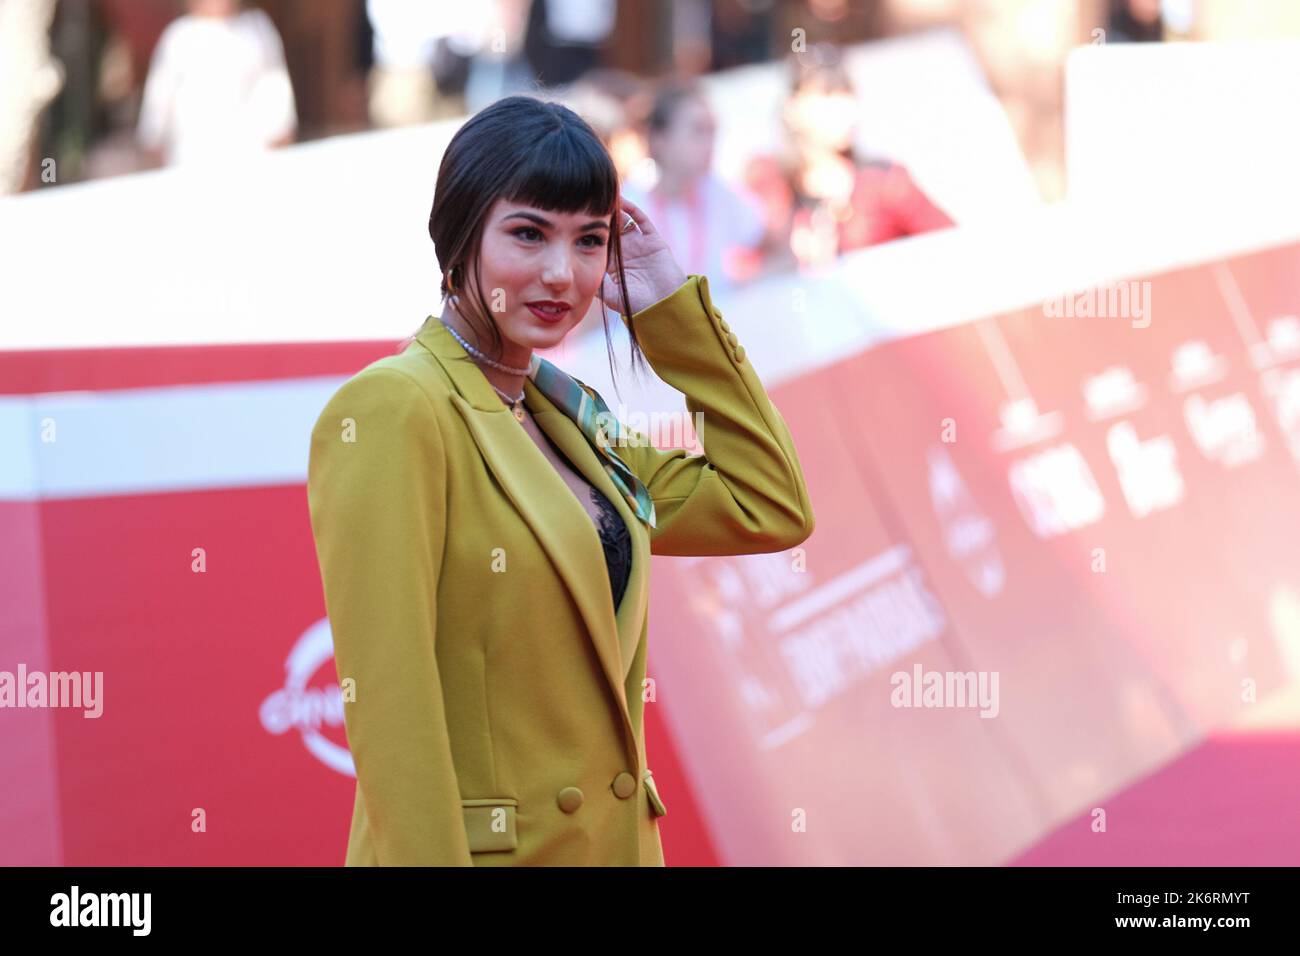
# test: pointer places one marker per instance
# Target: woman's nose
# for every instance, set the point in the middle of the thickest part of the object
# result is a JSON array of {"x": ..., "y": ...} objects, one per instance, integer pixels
[{"x": 558, "y": 270}]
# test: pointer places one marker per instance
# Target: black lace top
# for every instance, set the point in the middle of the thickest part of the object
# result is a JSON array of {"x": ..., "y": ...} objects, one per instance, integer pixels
[
  {"x": 617, "y": 542},
  {"x": 615, "y": 539}
]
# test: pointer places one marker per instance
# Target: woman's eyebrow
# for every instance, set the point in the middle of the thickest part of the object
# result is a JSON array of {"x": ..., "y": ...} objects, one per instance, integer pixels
[{"x": 543, "y": 221}]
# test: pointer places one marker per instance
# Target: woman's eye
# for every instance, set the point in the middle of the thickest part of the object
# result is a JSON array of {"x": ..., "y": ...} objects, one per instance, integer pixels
[{"x": 530, "y": 233}]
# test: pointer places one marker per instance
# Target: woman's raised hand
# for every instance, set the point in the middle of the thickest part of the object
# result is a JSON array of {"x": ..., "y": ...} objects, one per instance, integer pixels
[{"x": 649, "y": 265}]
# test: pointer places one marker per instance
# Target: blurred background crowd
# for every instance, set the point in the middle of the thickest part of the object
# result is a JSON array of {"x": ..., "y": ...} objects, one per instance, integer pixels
[
  {"x": 96, "y": 88},
  {"x": 213, "y": 212}
]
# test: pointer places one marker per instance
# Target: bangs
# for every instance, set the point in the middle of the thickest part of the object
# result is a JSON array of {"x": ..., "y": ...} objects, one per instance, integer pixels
[{"x": 565, "y": 172}]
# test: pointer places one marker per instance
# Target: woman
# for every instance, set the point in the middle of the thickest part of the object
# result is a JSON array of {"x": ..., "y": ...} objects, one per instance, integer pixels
[
  {"x": 822, "y": 195},
  {"x": 484, "y": 529}
]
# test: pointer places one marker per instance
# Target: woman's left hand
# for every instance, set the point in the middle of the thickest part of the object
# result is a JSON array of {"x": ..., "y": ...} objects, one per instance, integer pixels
[{"x": 649, "y": 265}]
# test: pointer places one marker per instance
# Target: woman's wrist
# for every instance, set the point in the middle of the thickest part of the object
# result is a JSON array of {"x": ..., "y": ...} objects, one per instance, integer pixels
[{"x": 661, "y": 295}]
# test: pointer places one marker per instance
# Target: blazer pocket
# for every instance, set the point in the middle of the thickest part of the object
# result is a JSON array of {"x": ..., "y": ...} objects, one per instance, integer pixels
[{"x": 490, "y": 824}]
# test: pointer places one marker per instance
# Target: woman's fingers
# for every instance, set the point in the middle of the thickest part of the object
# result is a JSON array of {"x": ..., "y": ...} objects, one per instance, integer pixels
[
  {"x": 638, "y": 216},
  {"x": 611, "y": 293}
]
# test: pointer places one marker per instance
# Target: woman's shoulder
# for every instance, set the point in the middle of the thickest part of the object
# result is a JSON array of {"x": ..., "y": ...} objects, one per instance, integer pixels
[{"x": 410, "y": 379}]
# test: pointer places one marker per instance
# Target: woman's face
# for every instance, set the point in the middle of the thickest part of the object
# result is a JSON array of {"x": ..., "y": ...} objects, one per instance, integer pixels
[
  {"x": 823, "y": 118},
  {"x": 686, "y": 146},
  {"x": 530, "y": 256}
]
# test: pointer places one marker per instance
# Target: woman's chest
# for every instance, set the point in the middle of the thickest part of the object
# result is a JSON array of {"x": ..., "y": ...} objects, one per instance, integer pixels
[
  {"x": 516, "y": 518},
  {"x": 581, "y": 489}
]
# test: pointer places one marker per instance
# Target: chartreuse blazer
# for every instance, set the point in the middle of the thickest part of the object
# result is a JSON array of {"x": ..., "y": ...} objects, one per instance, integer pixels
[{"x": 494, "y": 705}]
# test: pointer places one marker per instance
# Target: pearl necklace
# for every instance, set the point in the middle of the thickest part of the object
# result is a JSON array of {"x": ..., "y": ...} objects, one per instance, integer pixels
[{"x": 516, "y": 404}]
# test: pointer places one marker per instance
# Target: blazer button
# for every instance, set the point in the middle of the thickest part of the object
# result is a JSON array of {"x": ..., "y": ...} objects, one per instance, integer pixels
[
  {"x": 569, "y": 799},
  {"x": 722, "y": 324},
  {"x": 731, "y": 339},
  {"x": 739, "y": 353},
  {"x": 624, "y": 785}
]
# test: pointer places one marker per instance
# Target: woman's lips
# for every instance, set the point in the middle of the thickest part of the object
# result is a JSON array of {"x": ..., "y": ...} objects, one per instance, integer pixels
[{"x": 547, "y": 316}]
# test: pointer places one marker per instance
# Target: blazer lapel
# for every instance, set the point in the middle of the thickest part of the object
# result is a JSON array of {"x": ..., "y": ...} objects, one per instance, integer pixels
[
  {"x": 544, "y": 501},
  {"x": 570, "y": 440}
]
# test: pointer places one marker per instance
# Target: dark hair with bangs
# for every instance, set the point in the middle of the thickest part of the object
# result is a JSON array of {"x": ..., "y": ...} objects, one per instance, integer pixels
[{"x": 527, "y": 150}]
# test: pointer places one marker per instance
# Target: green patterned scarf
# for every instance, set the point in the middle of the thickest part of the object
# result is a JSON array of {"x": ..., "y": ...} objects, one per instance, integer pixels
[{"x": 581, "y": 403}]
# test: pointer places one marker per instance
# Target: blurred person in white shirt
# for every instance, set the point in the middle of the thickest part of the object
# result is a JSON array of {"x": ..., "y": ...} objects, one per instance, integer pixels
[
  {"x": 708, "y": 224},
  {"x": 217, "y": 87}
]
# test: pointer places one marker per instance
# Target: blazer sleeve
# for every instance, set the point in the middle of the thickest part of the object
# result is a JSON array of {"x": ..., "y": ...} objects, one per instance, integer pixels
[
  {"x": 745, "y": 494},
  {"x": 378, "y": 515}
]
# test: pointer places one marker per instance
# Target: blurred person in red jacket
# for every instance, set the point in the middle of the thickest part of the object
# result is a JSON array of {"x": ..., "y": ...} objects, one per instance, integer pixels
[{"x": 821, "y": 198}]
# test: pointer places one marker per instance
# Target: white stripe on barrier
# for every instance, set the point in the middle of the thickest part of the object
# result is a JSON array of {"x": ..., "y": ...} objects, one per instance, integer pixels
[
  {"x": 17, "y": 450},
  {"x": 157, "y": 440}
]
